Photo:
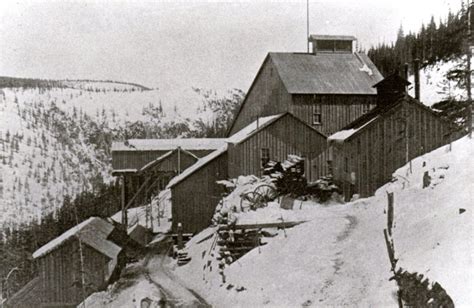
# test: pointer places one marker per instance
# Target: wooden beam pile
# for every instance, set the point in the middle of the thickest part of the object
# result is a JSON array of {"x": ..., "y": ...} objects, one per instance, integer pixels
[{"x": 233, "y": 244}]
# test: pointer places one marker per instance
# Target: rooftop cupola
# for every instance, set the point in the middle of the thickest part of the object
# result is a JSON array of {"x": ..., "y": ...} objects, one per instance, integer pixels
[{"x": 332, "y": 43}]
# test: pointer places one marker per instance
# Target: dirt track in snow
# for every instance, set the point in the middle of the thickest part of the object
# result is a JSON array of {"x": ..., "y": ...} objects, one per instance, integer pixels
[{"x": 174, "y": 291}]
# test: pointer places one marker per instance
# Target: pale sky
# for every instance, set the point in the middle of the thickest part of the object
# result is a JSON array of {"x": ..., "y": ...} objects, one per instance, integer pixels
[{"x": 207, "y": 44}]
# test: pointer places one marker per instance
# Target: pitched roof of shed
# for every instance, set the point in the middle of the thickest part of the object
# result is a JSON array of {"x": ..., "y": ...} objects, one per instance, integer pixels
[
  {"x": 198, "y": 165},
  {"x": 328, "y": 73},
  {"x": 93, "y": 232},
  {"x": 252, "y": 128},
  {"x": 168, "y": 144},
  {"x": 373, "y": 115}
]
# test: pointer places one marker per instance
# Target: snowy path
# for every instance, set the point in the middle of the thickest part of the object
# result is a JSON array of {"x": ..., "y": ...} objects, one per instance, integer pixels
[{"x": 175, "y": 292}]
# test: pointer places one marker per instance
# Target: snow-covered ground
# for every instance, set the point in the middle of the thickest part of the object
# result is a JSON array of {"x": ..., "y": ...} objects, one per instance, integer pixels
[
  {"x": 339, "y": 256},
  {"x": 158, "y": 217},
  {"x": 434, "y": 85}
]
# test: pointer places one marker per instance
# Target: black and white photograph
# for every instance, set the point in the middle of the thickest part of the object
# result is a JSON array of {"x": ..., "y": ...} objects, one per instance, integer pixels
[{"x": 205, "y": 153}]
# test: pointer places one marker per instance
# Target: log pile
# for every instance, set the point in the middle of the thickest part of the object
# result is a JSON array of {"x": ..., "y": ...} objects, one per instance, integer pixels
[{"x": 233, "y": 244}]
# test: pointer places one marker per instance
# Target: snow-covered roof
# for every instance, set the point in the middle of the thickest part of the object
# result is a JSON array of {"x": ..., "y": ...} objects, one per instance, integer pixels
[
  {"x": 198, "y": 165},
  {"x": 92, "y": 232},
  {"x": 253, "y": 127},
  {"x": 168, "y": 144},
  {"x": 346, "y": 133}
]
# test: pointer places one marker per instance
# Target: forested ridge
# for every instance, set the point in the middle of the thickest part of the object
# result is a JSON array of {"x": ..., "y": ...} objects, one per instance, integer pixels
[{"x": 438, "y": 40}]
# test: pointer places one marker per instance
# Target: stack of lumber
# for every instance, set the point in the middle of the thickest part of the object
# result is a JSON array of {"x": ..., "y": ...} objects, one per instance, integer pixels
[{"x": 234, "y": 244}]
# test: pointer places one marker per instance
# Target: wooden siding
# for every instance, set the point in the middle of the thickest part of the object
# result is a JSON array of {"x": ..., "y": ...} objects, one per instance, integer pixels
[
  {"x": 137, "y": 159},
  {"x": 336, "y": 111},
  {"x": 380, "y": 148},
  {"x": 194, "y": 199},
  {"x": 267, "y": 96},
  {"x": 60, "y": 270},
  {"x": 286, "y": 136}
]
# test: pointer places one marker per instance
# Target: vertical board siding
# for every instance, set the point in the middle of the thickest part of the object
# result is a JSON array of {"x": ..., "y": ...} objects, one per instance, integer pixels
[
  {"x": 337, "y": 111},
  {"x": 61, "y": 268},
  {"x": 383, "y": 146},
  {"x": 267, "y": 96},
  {"x": 195, "y": 198},
  {"x": 286, "y": 136}
]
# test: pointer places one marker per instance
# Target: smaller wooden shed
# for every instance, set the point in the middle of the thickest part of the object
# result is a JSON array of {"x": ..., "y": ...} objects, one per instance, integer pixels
[
  {"x": 400, "y": 128},
  {"x": 77, "y": 263},
  {"x": 195, "y": 193},
  {"x": 147, "y": 165},
  {"x": 274, "y": 138}
]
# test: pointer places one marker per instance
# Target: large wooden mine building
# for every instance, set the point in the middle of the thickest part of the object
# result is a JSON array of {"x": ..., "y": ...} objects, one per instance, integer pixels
[
  {"x": 327, "y": 89},
  {"x": 295, "y": 102}
]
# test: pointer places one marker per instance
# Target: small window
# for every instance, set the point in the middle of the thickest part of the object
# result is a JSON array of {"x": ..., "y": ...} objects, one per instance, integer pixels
[
  {"x": 317, "y": 118},
  {"x": 346, "y": 164},
  {"x": 265, "y": 156}
]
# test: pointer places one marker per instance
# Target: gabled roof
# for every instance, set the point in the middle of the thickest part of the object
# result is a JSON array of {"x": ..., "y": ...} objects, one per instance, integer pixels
[
  {"x": 168, "y": 144},
  {"x": 327, "y": 73},
  {"x": 92, "y": 232},
  {"x": 252, "y": 128},
  {"x": 238, "y": 137},
  {"x": 198, "y": 165},
  {"x": 262, "y": 123}
]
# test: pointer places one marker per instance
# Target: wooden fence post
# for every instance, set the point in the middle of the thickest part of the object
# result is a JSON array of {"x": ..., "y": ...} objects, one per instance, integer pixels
[{"x": 390, "y": 213}]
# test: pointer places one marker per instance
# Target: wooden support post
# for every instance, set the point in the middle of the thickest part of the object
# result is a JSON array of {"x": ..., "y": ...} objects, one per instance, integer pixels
[
  {"x": 124, "y": 201},
  {"x": 180, "y": 236},
  {"x": 390, "y": 213}
]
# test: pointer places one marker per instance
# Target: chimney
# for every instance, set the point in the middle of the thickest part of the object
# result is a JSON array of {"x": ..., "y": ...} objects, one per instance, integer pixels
[
  {"x": 405, "y": 74},
  {"x": 390, "y": 89},
  {"x": 416, "y": 72}
]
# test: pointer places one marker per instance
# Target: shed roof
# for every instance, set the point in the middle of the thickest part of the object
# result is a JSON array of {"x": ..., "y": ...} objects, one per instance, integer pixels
[
  {"x": 168, "y": 144},
  {"x": 93, "y": 232},
  {"x": 318, "y": 37},
  {"x": 328, "y": 73},
  {"x": 252, "y": 128}
]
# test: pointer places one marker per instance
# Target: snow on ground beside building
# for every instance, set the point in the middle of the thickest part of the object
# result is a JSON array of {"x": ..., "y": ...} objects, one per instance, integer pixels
[
  {"x": 339, "y": 256},
  {"x": 433, "y": 236},
  {"x": 130, "y": 295},
  {"x": 159, "y": 219}
]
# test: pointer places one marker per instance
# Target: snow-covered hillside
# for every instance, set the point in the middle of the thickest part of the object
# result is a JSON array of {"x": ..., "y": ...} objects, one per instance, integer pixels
[
  {"x": 434, "y": 84},
  {"x": 54, "y": 140},
  {"x": 339, "y": 256}
]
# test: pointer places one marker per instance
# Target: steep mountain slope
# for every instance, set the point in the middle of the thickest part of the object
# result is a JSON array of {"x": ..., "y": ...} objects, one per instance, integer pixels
[{"x": 55, "y": 136}]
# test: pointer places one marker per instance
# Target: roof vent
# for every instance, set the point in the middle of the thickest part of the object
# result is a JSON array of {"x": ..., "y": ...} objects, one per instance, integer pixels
[{"x": 332, "y": 43}]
